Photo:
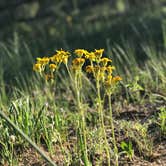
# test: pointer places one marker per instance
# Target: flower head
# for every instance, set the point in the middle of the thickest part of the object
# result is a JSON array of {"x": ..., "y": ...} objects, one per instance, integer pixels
[
  {"x": 43, "y": 61},
  {"x": 37, "y": 67},
  {"x": 109, "y": 69},
  {"x": 104, "y": 61},
  {"x": 89, "y": 69},
  {"x": 112, "y": 80},
  {"x": 90, "y": 55},
  {"x": 62, "y": 53},
  {"x": 55, "y": 58},
  {"x": 99, "y": 53},
  {"x": 52, "y": 67},
  {"x": 65, "y": 59},
  {"x": 80, "y": 52},
  {"x": 60, "y": 56},
  {"x": 117, "y": 79},
  {"x": 78, "y": 61}
]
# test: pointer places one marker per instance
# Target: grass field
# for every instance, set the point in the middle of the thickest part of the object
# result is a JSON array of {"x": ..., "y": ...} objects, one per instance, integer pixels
[{"x": 75, "y": 116}]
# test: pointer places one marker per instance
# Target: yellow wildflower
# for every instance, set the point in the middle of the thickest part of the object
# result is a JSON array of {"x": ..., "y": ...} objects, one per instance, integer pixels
[
  {"x": 60, "y": 56},
  {"x": 104, "y": 61},
  {"x": 109, "y": 69},
  {"x": 90, "y": 55},
  {"x": 52, "y": 67},
  {"x": 80, "y": 52},
  {"x": 55, "y": 58},
  {"x": 78, "y": 61},
  {"x": 43, "y": 61},
  {"x": 46, "y": 60},
  {"x": 99, "y": 53},
  {"x": 89, "y": 69},
  {"x": 37, "y": 67},
  {"x": 112, "y": 80},
  {"x": 62, "y": 53},
  {"x": 116, "y": 79},
  {"x": 65, "y": 59},
  {"x": 39, "y": 60}
]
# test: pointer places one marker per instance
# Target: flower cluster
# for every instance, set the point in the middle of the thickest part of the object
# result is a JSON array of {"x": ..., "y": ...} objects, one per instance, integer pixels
[
  {"x": 48, "y": 65},
  {"x": 96, "y": 64},
  {"x": 101, "y": 69}
]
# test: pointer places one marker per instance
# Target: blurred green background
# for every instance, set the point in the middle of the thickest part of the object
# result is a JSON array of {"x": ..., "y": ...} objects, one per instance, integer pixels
[
  {"x": 31, "y": 28},
  {"x": 81, "y": 23}
]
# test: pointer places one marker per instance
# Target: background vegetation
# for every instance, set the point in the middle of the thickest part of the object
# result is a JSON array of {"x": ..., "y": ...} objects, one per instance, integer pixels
[{"x": 133, "y": 34}]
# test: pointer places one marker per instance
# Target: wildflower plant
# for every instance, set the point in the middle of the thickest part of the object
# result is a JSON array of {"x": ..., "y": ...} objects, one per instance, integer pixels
[{"x": 102, "y": 71}]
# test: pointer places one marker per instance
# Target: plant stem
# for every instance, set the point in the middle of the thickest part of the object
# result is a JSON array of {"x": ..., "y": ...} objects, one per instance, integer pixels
[
  {"x": 12, "y": 154},
  {"x": 69, "y": 72},
  {"x": 78, "y": 86},
  {"x": 113, "y": 131},
  {"x": 101, "y": 119}
]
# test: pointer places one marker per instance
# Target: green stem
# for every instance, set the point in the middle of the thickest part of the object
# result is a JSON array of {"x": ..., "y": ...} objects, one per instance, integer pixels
[
  {"x": 101, "y": 116},
  {"x": 83, "y": 124},
  {"x": 113, "y": 131},
  {"x": 63, "y": 150},
  {"x": 69, "y": 72},
  {"x": 27, "y": 139},
  {"x": 12, "y": 154}
]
